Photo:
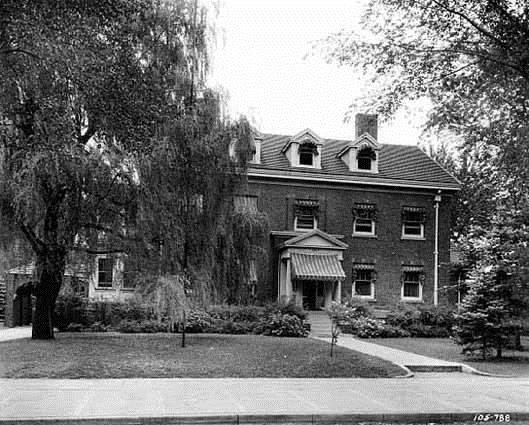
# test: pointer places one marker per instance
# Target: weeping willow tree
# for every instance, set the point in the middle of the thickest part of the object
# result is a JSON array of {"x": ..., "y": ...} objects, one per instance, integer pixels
[
  {"x": 109, "y": 134},
  {"x": 241, "y": 254}
]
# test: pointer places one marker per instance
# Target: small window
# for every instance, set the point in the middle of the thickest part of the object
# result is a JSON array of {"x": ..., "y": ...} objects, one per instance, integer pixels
[
  {"x": 364, "y": 217},
  {"x": 364, "y": 226},
  {"x": 306, "y": 214},
  {"x": 305, "y": 222},
  {"x": 363, "y": 281},
  {"x": 413, "y": 219},
  {"x": 306, "y": 155},
  {"x": 104, "y": 272},
  {"x": 411, "y": 285},
  {"x": 365, "y": 157}
]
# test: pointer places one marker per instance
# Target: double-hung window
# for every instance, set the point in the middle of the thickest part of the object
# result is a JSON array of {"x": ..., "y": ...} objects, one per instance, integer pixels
[
  {"x": 413, "y": 219},
  {"x": 364, "y": 277},
  {"x": 105, "y": 268},
  {"x": 412, "y": 283},
  {"x": 306, "y": 212},
  {"x": 364, "y": 219}
]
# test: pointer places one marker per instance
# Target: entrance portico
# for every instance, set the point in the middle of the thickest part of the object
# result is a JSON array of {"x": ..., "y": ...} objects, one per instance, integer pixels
[{"x": 310, "y": 270}]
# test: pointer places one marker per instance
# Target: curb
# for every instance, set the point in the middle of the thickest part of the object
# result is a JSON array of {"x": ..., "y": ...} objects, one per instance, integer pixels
[{"x": 268, "y": 419}]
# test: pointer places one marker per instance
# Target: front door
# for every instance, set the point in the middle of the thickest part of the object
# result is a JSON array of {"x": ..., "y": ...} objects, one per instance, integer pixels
[{"x": 313, "y": 295}]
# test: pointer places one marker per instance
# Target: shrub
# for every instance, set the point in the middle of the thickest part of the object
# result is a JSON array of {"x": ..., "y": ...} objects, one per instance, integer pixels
[
  {"x": 236, "y": 313},
  {"x": 74, "y": 327},
  {"x": 290, "y": 308},
  {"x": 197, "y": 321},
  {"x": 146, "y": 326},
  {"x": 278, "y": 324},
  {"x": 426, "y": 321},
  {"x": 69, "y": 309}
]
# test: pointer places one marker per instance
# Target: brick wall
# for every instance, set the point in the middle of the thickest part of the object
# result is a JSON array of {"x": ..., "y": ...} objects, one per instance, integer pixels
[{"x": 387, "y": 250}]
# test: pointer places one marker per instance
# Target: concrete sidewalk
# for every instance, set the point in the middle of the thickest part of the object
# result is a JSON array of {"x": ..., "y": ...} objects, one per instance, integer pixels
[
  {"x": 7, "y": 334},
  {"x": 411, "y": 361},
  {"x": 449, "y": 396}
]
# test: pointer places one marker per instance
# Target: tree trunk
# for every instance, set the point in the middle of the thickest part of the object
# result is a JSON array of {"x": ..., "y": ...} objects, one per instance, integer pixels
[{"x": 51, "y": 269}]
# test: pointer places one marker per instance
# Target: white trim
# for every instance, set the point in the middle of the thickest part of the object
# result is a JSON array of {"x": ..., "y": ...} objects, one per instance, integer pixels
[
  {"x": 367, "y": 183},
  {"x": 413, "y": 237},
  {"x": 416, "y": 299},
  {"x": 370, "y": 234},
  {"x": 364, "y": 297},
  {"x": 314, "y": 222}
]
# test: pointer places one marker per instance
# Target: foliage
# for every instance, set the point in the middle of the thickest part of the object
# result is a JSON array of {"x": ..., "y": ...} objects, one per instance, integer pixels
[
  {"x": 144, "y": 326},
  {"x": 350, "y": 310},
  {"x": 236, "y": 313},
  {"x": 279, "y": 324},
  {"x": 75, "y": 310},
  {"x": 366, "y": 327},
  {"x": 470, "y": 60},
  {"x": 289, "y": 307},
  {"x": 198, "y": 321}
]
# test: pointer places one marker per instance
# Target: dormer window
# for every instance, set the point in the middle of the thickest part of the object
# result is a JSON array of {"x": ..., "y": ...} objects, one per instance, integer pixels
[
  {"x": 304, "y": 150},
  {"x": 361, "y": 155},
  {"x": 365, "y": 157},
  {"x": 306, "y": 154}
]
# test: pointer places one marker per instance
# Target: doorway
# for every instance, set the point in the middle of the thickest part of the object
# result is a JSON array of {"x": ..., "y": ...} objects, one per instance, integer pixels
[{"x": 313, "y": 295}]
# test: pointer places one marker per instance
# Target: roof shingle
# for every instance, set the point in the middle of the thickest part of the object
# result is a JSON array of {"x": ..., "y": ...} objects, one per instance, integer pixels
[{"x": 397, "y": 163}]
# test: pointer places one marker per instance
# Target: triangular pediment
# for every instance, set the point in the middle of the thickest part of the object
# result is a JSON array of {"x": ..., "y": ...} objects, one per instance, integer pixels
[
  {"x": 364, "y": 140},
  {"x": 315, "y": 239},
  {"x": 304, "y": 136}
]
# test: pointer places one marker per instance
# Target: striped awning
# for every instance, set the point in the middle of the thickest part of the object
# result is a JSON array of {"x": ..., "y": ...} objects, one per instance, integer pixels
[
  {"x": 410, "y": 268},
  {"x": 316, "y": 267}
]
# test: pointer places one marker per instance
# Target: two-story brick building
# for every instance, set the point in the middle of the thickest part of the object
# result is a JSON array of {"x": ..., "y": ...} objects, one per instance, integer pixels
[{"x": 351, "y": 218}]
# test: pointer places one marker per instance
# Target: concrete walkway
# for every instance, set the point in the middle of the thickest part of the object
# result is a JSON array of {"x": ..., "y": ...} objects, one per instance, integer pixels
[
  {"x": 448, "y": 396},
  {"x": 411, "y": 361},
  {"x": 7, "y": 334}
]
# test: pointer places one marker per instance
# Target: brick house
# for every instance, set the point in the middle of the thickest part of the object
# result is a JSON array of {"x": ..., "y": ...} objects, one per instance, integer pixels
[{"x": 351, "y": 218}]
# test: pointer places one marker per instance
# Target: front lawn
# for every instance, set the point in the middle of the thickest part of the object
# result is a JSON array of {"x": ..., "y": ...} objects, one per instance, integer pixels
[
  {"x": 514, "y": 363},
  {"x": 206, "y": 356}
]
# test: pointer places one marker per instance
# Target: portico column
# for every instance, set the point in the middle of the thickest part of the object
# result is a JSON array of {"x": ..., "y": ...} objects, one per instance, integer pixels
[
  {"x": 288, "y": 281},
  {"x": 338, "y": 292}
]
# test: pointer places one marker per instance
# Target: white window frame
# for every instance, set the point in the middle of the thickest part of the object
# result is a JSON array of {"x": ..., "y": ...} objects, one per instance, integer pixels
[
  {"x": 113, "y": 271},
  {"x": 314, "y": 221},
  {"x": 371, "y": 233},
  {"x": 408, "y": 236},
  {"x": 372, "y": 285},
  {"x": 416, "y": 299}
]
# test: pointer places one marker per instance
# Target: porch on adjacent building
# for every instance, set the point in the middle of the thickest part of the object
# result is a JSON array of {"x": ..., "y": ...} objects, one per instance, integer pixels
[{"x": 310, "y": 270}]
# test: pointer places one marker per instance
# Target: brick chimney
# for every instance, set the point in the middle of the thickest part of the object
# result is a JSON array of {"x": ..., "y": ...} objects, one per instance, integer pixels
[{"x": 366, "y": 123}]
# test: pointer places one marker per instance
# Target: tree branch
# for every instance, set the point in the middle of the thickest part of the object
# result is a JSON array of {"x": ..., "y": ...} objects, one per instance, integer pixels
[
  {"x": 37, "y": 245},
  {"x": 19, "y": 50}
]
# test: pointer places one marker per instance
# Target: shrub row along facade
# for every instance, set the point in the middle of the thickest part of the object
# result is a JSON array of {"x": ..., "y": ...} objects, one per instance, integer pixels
[{"x": 351, "y": 218}]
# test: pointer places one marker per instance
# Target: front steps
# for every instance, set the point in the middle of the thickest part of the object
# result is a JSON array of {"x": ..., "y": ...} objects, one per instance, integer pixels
[{"x": 320, "y": 324}]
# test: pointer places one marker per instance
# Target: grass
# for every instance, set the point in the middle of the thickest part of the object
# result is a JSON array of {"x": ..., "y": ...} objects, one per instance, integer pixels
[
  {"x": 514, "y": 362},
  {"x": 206, "y": 356}
]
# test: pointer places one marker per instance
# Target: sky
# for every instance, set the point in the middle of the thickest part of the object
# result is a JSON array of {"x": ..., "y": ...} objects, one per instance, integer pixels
[{"x": 261, "y": 63}]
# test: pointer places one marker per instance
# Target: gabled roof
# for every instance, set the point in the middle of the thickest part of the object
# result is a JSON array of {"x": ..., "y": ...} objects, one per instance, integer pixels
[
  {"x": 330, "y": 240},
  {"x": 398, "y": 165},
  {"x": 364, "y": 140},
  {"x": 302, "y": 136}
]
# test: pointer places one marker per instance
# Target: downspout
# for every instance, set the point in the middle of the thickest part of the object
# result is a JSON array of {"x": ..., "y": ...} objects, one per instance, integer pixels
[{"x": 437, "y": 200}]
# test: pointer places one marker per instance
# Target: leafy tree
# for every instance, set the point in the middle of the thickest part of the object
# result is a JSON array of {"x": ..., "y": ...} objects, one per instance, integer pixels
[
  {"x": 97, "y": 98},
  {"x": 498, "y": 298},
  {"x": 471, "y": 60}
]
